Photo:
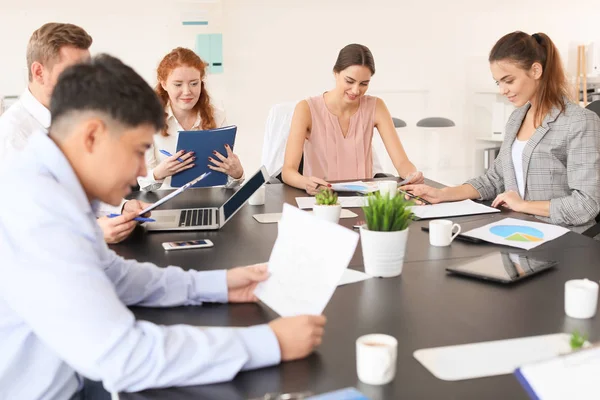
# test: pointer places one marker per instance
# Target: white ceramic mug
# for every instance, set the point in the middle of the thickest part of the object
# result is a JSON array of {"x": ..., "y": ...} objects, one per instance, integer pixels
[
  {"x": 258, "y": 198},
  {"x": 581, "y": 298},
  {"x": 388, "y": 187},
  {"x": 441, "y": 232},
  {"x": 376, "y": 358}
]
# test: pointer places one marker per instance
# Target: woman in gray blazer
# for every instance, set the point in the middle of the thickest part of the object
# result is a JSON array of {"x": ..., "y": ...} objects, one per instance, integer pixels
[{"x": 549, "y": 162}]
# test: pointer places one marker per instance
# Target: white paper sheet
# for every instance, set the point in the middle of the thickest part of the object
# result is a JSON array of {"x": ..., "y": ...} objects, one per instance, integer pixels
[
  {"x": 271, "y": 218},
  {"x": 352, "y": 276},
  {"x": 573, "y": 376},
  {"x": 306, "y": 264},
  {"x": 517, "y": 233},
  {"x": 454, "y": 209},
  {"x": 346, "y": 202},
  {"x": 477, "y": 360}
]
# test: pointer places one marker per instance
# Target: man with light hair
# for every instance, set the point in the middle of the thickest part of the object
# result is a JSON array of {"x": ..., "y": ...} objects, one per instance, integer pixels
[{"x": 52, "y": 48}]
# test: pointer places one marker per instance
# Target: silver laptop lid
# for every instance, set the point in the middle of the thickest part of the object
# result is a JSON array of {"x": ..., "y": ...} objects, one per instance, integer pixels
[{"x": 239, "y": 198}]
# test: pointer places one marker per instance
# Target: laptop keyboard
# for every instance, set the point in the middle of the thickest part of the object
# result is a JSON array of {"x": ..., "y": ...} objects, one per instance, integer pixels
[{"x": 196, "y": 217}]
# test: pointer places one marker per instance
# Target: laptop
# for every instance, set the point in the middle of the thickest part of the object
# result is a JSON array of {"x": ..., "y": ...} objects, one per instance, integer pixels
[{"x": 212, "y": 218}]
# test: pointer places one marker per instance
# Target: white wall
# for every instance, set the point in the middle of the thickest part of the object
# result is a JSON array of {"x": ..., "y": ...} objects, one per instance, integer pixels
[{"x": 430, "y": 56}]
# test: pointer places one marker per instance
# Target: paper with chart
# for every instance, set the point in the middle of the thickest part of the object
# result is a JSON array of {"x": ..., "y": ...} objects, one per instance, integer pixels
[
  {"x": 356, "y": 186},
  {"x": 307, "y": 262},
  {"x": 517, "y": 233},
  {"x": 305, "y": 203},
  {"x": 453, "y": 209}
]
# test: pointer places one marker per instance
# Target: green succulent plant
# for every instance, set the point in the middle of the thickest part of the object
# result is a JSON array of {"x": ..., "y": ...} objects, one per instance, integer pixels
[
  {"x": 577, "y": 340},
  {"x": 385, "y": 214},
  {"x": 326, "y": 197}
]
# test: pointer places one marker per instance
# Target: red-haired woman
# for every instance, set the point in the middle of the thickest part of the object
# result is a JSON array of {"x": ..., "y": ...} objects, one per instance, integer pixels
[{"x": 181, "y": 89}]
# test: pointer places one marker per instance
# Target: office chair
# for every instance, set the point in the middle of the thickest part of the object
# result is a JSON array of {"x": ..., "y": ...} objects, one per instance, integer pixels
[
  {"x": 277, "y": 130},
  {"x": 594, "y": 106}
]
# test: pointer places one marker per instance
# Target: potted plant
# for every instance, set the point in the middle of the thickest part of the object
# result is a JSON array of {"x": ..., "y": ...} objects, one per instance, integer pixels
[
  {"x": 327, "y": 206},
  {"x": 383, "y": 237}
]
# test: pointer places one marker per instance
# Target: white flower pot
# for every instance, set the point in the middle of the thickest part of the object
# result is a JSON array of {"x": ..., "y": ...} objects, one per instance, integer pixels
[
  {"x": 383, "y": 252},
  {"x": 328, "y": 213}
]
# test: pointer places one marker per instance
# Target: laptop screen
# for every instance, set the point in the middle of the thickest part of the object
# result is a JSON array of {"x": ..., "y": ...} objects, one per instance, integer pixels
[{"x": 240, "y": 197}]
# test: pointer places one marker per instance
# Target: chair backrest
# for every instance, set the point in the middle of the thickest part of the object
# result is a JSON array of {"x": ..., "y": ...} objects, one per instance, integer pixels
[
  {"x": 277, "y": 130},
  {"x": 594, "y": 106}
]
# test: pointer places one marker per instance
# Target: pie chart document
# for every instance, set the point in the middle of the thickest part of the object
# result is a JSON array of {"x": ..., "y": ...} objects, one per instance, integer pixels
[{"x": 517, "y": 233}]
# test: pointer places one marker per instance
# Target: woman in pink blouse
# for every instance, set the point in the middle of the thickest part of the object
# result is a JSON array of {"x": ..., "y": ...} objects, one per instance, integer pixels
[{"x": 334, "y": 131}]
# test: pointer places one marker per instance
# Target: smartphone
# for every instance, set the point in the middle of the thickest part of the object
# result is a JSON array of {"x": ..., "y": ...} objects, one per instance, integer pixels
[{"x": 188, "y": 244}]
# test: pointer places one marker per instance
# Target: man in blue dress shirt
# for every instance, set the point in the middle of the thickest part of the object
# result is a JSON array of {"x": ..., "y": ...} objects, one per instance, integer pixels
[{"x": 64, "y": 294}]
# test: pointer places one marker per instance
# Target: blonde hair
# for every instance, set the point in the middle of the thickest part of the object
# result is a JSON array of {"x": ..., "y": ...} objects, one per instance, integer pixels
[{"x": 45, "y": 43}]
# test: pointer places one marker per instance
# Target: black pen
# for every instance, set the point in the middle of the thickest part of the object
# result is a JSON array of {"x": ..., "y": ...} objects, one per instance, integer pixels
[{"x": 413, "y": 196}]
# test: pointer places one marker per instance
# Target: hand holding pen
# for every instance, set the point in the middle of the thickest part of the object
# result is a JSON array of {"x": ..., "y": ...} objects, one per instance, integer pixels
[
  {"x": 138, "y": 219},
  {"x": 422, "y": 194},
  {"x": 173, "y": 164},
  {"x": 166, "y": 153}
]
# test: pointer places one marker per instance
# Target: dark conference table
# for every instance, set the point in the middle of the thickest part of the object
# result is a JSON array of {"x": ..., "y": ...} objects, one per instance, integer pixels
[{"x": 424, "y": 307}]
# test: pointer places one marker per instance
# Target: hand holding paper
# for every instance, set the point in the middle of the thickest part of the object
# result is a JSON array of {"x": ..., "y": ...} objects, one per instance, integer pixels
[
  {"x": 306, "y": 264},
  {"x": 242, "y": 281}
]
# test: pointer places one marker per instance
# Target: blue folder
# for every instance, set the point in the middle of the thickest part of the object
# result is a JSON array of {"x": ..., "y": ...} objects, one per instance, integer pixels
[
  {"x": 523, "y": 381},
  {"x": 203, "y": 143}
]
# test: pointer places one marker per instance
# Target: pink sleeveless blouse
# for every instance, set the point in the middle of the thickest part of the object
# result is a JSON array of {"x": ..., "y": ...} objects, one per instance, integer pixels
[{"x": 331, "y": 156}]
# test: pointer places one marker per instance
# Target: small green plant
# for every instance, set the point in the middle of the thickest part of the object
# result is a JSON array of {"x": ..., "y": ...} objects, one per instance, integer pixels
[
  {"x": 385, "y": 214},
  {"x": 326, "y": 197},
  {"x": 577, "y": 340}
]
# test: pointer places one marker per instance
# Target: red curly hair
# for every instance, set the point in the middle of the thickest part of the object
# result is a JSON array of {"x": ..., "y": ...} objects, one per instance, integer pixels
[{"x": 185, "y": 57}]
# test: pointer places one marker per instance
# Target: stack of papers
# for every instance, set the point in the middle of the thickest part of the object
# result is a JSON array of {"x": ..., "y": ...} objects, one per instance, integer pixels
[
  {"x": 307, "y": 263},
  {"x": 454, "y": 209}
]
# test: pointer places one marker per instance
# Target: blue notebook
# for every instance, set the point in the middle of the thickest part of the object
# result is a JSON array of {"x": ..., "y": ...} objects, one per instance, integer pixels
[{"x": 203, "y": 143}]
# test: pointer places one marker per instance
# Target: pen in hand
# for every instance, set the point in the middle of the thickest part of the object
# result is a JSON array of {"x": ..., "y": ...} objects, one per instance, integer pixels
[
  {"x": 139, "y": 219},
  {"x": 166, "y": 153},
  {"x": 413, "y": 196}
]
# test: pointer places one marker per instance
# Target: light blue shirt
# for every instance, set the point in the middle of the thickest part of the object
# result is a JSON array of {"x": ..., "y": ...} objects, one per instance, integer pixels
[{"x": 63, "y": 297}]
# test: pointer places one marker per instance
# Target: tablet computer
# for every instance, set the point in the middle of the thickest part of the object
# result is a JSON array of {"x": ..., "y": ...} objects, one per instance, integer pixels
[{"x": 502, "y": 267}]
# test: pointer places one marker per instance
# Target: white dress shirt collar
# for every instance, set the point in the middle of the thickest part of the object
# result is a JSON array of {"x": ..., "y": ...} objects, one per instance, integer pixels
[
  {"x": 171, "y": 117},
  {"x": 36, "y": 109},
  {"x": 51, "y": 158}
]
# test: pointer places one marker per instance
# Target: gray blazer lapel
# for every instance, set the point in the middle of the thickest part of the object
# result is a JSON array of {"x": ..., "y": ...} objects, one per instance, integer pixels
[
  {"x": 537, "y": 136},
  {"x": 512, "y": 128}
]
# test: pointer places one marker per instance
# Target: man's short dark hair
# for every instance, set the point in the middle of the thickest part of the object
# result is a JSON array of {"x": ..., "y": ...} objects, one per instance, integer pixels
[{"x": 107, "y": 86}]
